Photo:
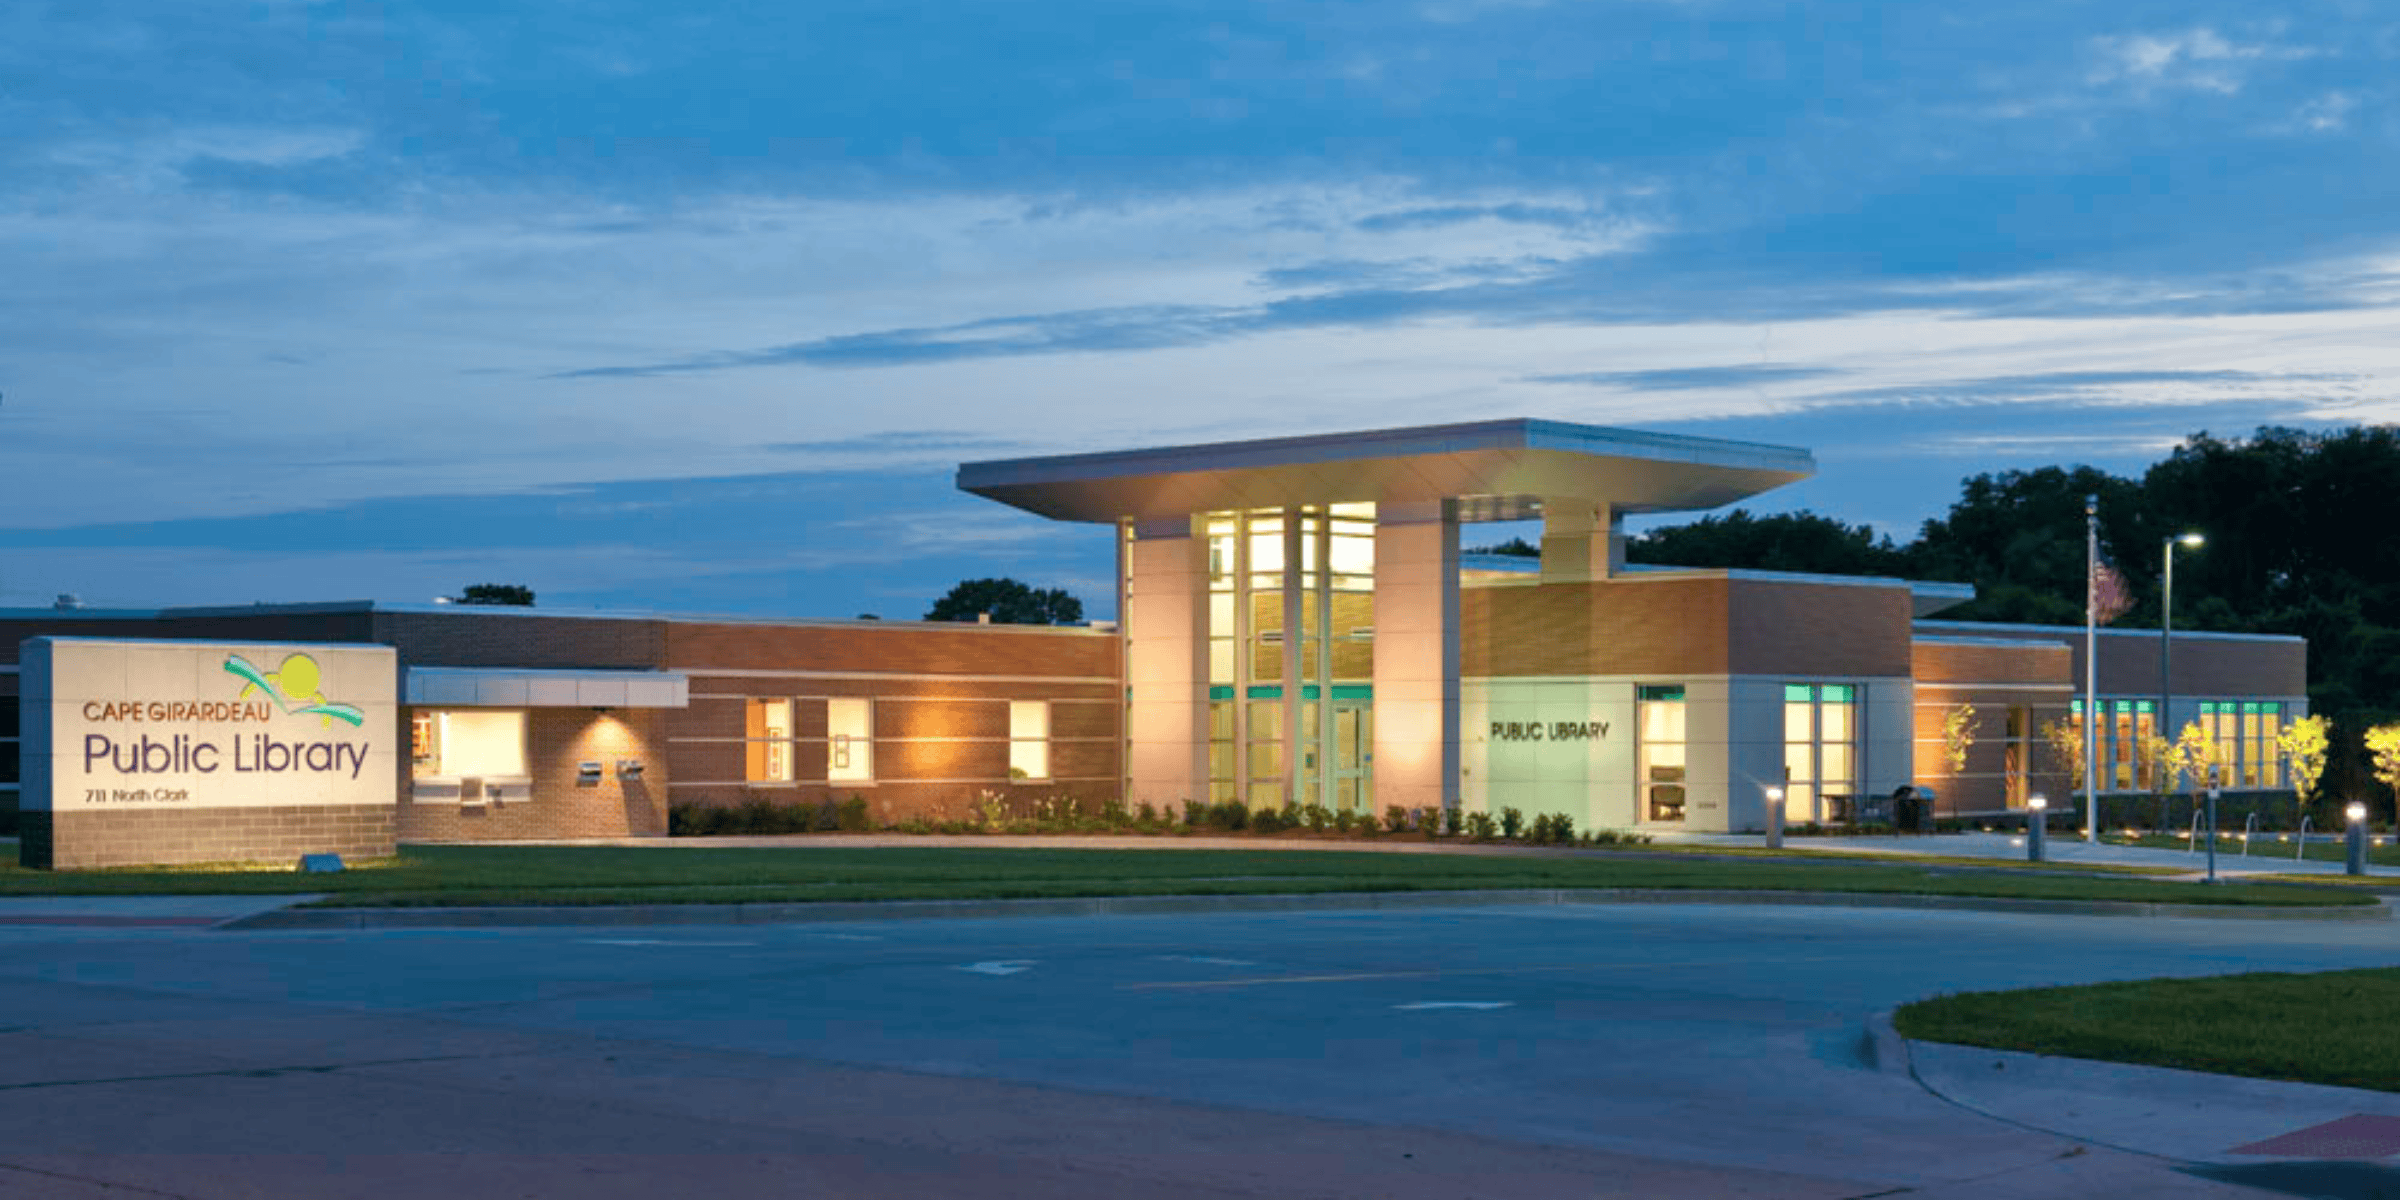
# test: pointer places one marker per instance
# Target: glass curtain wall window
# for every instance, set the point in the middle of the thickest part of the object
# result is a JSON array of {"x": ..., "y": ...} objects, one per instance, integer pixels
[
  {"x": 469, "y": 744},
  {"x": 767, "y": 741},
  {"x": 850, "y": 740},
  {"x": 2243, "y": 752},
  {"x": 1659, "y": 760},
  {"x": 1820, "y": 748},
  {"x": 1029, "y": 739},
  {"x": 1290, "y": 628},
  {"x": 2016, "y": 750},
  {"x": 2221, "y": 721},
  {"x": 2122, "y": 752}
]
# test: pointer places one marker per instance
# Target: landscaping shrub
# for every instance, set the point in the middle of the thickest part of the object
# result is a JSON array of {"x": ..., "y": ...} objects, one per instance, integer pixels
[
  {"x": 1316, "y": 818},
  {"x": 1481, "y": 828},
  {"x": 853, "y": 815},
  {"x": 1454, "y": 821},
  {"x": 1147, "y": 815},
  {"x": 1395, "y": 818},
  {"x": 1551, "y": 829},
  {"x": 1429, "y": 822},
  {"x": 1512, "y": 823},
  {"x": 1232, "y": 816},
  {"x": 1344, "y": 820},
  {"x": 1271, "y": 819}
]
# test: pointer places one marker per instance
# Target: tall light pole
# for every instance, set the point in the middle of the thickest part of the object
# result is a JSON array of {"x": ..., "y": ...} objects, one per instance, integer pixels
[{"x": 2166, "y": 643}]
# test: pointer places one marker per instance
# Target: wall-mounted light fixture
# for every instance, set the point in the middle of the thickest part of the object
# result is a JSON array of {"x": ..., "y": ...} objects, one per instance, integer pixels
[
  {"x": 629, "y": 769},
  {"x": 587, "y": 774}
]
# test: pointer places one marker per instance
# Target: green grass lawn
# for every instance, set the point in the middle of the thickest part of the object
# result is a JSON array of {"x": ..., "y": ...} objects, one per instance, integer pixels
[
  {"x": 432, "y": 875},
  {"x": 2321, "y": 1028}
]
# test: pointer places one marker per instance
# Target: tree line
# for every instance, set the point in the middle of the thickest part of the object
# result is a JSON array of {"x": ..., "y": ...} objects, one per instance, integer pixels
[{"x": 2299, "y": 529}]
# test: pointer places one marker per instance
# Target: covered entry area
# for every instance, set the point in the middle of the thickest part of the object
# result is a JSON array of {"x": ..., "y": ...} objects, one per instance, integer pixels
[{"x": 1291, "y": 607}]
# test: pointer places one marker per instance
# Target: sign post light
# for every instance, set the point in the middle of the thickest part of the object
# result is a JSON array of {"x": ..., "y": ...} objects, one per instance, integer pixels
[
  {"x": 2213, "y": 793},
  {"x": 1774, "y": 818},
  {"x": 2355, "y": 840},
  {"x": 2037, "y": 828}
]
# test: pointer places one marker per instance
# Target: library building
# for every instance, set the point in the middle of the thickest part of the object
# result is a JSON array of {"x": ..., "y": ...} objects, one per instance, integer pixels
[{"x": 1298, "y": 625}]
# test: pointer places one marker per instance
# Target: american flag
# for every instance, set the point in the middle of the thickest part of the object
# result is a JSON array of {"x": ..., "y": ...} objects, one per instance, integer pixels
[{"x": 2108, "y": 596}]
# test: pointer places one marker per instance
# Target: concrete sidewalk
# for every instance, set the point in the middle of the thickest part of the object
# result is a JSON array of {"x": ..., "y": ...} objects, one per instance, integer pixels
[
  {"x": 2299, "y": 1137},
  {"x": 2268, "y": 857},
  {"x": 139, "y": 911}
]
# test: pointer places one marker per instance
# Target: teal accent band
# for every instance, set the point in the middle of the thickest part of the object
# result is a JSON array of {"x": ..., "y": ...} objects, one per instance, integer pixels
[
  {"x": 1266, "y": 691},
  {"x": 1354, "y": 691},
  {"x": 1222, "y": 691}
]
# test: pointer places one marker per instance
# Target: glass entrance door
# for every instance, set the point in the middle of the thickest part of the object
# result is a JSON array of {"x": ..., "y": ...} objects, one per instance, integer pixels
[{"x": 1354, "y": 754}]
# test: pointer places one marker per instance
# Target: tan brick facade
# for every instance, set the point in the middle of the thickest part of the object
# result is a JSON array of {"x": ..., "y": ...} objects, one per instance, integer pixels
[{"x": 133, "y": 838}]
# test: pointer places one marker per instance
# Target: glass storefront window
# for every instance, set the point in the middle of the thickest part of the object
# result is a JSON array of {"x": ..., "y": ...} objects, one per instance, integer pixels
[
  {"x": 1659, "y": 759},
  {"x": 767, "y": 726},
  {"x": 1820, "y": 748},
  {"x": 1029, "y": 739},
  {"x": 469, "y": 744},
  {"x": 850, "y": 740}
]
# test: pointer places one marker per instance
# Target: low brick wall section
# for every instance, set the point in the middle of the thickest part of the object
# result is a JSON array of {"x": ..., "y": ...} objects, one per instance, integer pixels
[{"x": 75, "y": 841}]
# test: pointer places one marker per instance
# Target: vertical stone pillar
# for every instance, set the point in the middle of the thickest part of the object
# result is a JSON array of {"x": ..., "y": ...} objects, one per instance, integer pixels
[
  {"x": 1166, "y": 663},
  {"x": 1295, "y": 739},
  {"x": 1416, "y": 655},
  {"x": 1581, "y": 540}
]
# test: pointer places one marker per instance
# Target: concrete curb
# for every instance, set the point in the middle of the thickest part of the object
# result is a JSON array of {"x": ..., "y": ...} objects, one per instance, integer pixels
[{"x": 1095, "y": 906}]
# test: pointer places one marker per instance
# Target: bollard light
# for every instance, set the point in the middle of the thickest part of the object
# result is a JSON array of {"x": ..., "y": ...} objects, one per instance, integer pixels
[
  {"x": 2355, "y": 840},
  {"x": 2037, "y": 827},
  {"x": 1774, "y": 818}
]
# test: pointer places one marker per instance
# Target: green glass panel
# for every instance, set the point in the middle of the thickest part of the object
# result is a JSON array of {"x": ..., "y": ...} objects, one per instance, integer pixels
[
  {"x": 1221, "y": 692},
  {"x": 1840, "y": 693},
  {"x": 1353, "y": 691},
  {"x": 2253, "y": 707},
  {"x": 1798, "y": 693},
  {"x": 2144, "y": 707},
  {"x": 1671, "y": 691},
  {"x": 1266, "y": 691}
]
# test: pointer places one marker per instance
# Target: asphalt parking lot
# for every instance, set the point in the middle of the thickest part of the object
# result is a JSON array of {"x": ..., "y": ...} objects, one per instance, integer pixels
[{"x": 1604, "y": 1051}]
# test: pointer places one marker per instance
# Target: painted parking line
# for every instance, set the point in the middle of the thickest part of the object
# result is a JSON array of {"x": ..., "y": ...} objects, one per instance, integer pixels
[{"x": 1478, "y": 1005}]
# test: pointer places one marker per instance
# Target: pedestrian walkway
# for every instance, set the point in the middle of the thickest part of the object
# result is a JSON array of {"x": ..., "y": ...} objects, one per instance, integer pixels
[
  {"x": 137, "y": 912},
  {"x": 2266, "y": 857},
  {"x": 2330, "y": 1141}
]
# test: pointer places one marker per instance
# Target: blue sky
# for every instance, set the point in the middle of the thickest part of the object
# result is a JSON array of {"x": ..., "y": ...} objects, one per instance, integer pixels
[{"x": 694, "y": 305}]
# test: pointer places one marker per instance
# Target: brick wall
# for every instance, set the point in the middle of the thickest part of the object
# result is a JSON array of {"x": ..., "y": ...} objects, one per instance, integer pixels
[
  {"x": 468, "y": 638},
  {"x": 2203, "y": 665},
  {"x": 1779, "y": 628},
  {"x": 69, "y": 841},
  {"x": 561, "y": 805},
  {"x": 1668, "y": 628},
  {"x": 2035, "y": 676}
]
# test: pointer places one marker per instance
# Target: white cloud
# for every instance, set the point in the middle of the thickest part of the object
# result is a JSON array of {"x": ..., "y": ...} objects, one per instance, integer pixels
[{"x": 2196, "y": 59}]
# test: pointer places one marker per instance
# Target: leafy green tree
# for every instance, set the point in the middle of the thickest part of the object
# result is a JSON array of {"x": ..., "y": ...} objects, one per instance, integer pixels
[
  {"x": 1009, "y": 603},
  {"x": 496, "y": 593},
  {"x": 1796, "y": 541},
  {"x": 2018, "y": 537}
]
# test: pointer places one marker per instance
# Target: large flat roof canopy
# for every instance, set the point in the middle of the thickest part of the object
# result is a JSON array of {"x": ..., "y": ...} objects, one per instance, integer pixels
[{"x": 1497, "y": 470}]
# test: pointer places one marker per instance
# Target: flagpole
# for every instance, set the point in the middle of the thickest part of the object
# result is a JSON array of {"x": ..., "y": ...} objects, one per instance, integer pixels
[{"x": 2091, "y": 668}]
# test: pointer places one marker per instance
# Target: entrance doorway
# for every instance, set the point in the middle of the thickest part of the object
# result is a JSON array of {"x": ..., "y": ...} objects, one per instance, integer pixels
[{"x": 1354, "y": 754}]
